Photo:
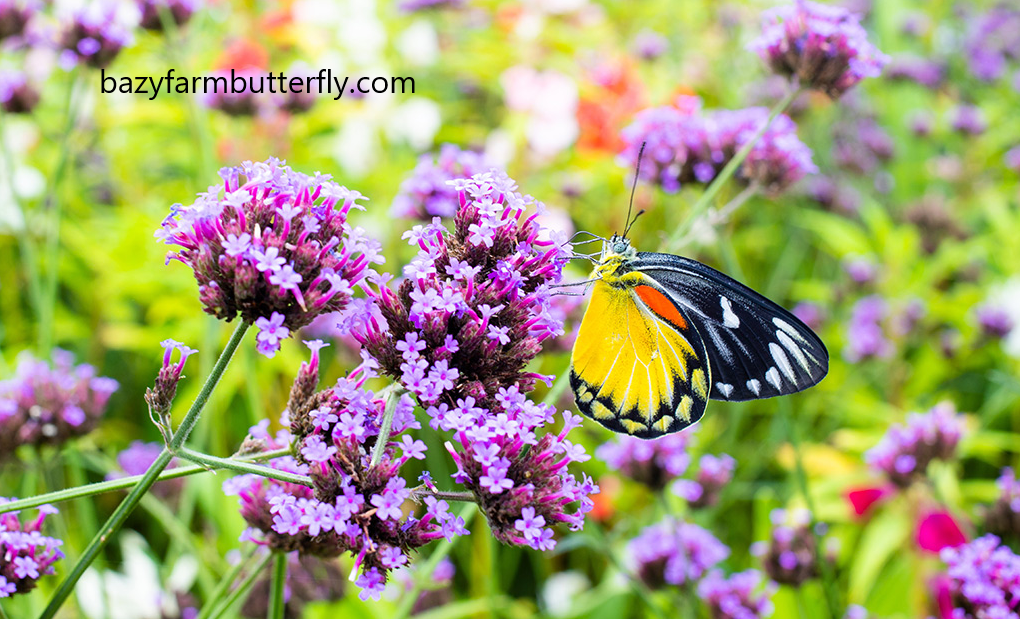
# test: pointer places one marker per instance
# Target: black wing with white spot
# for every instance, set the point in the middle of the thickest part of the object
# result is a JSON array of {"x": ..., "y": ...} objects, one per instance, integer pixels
[{"x": 756, "y": 349}]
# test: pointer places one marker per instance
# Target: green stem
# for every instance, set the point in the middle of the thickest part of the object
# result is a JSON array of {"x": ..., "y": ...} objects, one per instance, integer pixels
[
  {"x": 131, "y": 501},
  {"x": 3, "y": 615},
  {"x": 673, "y": 244},
  {"x": 126, "y": 482},
  {"x": 393, "y": 393},
  {"x": 828, "y": 581},
  {"x": 424, "y": 574},
  {"x": 213, "y": 462},
  {"x": 242, "y": 589},
  {"x": 228, "y": 579},
  {"x": 420, "y": 493},
  {"x": 277, "y": 584},
  {"x": 54, "y": 205}
]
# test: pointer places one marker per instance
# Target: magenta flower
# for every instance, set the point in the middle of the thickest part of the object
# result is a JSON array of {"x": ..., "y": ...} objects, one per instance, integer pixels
[
  {"x": 937, "y": 529},
  {"x": 272, "y": 245},
  {"x": 691, "y": 146},
  {"x": 822, "y": 46},
  {"x": 25, "y": 554},
  {"x": 45, "y": 404}
]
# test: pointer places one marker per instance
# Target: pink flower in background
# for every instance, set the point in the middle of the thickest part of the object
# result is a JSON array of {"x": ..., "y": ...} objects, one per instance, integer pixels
[
  {"x": 938, "y": 530},
  {"x": 863, "y": 498},
  {"x": 549, "y": 98}
]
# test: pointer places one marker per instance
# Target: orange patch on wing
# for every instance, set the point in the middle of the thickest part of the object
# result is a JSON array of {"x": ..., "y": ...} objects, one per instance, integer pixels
[{"x": 661, "y": 305}]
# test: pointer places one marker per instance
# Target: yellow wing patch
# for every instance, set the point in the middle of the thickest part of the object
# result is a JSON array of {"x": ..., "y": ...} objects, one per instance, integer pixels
[{"x": 638, "y": 366}]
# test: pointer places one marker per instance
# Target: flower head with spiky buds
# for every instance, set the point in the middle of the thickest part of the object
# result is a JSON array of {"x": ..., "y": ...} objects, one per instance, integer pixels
[
  {"x": 273, "y": 246},
  {"x": 653, "y": 463},
  {"x": 427, "y": 192},
  {"x": 473, "y": 308},
  {"x": 741, "y": 596},
  {"x": 984, "y": 578},
  {"x": 180, "y": 11},
  {"x": 688, "y": 145},
  {"x": 674, "y": 552},
  {"x": 95, "y": 31},
  {"x": 161, "y": 396},
  {"x": 26, "y": 554},
  {"x": 905, "y": 451},
  {"x": 823, "y": 46},
  {"x": 44, "y": 404}
]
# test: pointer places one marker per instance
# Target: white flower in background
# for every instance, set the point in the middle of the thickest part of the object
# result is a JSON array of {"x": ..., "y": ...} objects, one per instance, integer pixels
[
  {"x": 555, "y": 7},
  {"x": 561, "y": 590},
  {"x": 499, "y": 148},
  {"x": 412, "y": 120},
  {"x": 419, "y": 44},
  {"x": 28, "y": 183},
  {"x": 416, "y": 121},
  {"x": 549, "y": 99},
  {"x": 1007, "y": 298},
  {"x": 135, "y": 593}
]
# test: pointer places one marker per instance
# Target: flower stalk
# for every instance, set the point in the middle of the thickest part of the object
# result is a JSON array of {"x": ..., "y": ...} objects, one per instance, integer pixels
[
  {"x": 393, "y": 393},
  {"x": 277, "y": 603},
  {"x": 128, "y": 505}
]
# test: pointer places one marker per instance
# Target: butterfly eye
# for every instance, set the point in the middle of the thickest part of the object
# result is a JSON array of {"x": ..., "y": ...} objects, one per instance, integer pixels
[{"x": 619, "y": 248}]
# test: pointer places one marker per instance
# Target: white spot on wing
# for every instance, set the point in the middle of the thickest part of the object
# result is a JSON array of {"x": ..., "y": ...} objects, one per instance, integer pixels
[
  {"x": 754, "y": 385},
  {"x": 782, "y": 361},
  {"x": 795, "y": 350},
  {"x": 724, "y": 388},
  {"x": 772, "y": 376},
  {"x": 785, "y": 326},
  {"x": 729, "y": 319}
]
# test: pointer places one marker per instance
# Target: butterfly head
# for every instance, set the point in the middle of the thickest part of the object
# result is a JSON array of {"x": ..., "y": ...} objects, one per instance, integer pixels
[{"x": 617, "y": 252}]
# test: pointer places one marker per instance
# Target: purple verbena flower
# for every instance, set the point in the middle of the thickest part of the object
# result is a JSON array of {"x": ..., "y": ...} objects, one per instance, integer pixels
[
  {"x": 18, "y": 95},
  {"x": 992, "y": 42},
  {"x": 1003, "y": 517},
  {"x": 714, "y": 473},
  {"x": 95, "y": 31},
  {"x": 288, "y": 269},
  {"x": 160, "y": 396},
  {"x": 674, "y": 553},
  {"x": 649, "y": 45},
  {"x": 180, "y": 11},
  {"x": 905, "y": 451},
  {"x": 653, "y": 463},
  {"x": 741, "y": 596},
  {"x": 984, "y": 578},
  {"x": 822, "y": 46},
  {"x": 136, "y": 460},
  {"x": 427, "y": 192},
  {"x": 968, "y": 119},
  {"x": 25, "y": 554},
  {"x": 233, "y": 91},
  {"x": 995, "y": 321},
  {"x": 790, "y": 556},
  {"x": 926, "y": 72},
  {"x": 47, "y": 404},
  {"x": 15, "y": 16},
  {"x": 865, "y": 336}
]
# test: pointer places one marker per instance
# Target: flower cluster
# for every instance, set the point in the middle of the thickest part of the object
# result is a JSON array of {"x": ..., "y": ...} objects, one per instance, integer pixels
[
  {"x": 180, "y": 11},
  {"x": 15, "y": 16},
  {"x": 136, "y": 460},
  {"x": 740, "y": 596},
  {"x": 1003, "y": 517},
  {"x": 25, "y": 553},
  {"x": 926, "y": 72},
  {"x": 653, "y": 463},
  {"x": 822, "y": 46},
  {"x": 865, "y": 337},
  {"x": 474, "y": 306},
  {"x": 904, "y": 452},
  {"x": 992, "y": 42},
  {"x": 240, "y": 101},
  {"x": 861, "y": 145},
  {"x": 309, "y": 579},
  {"x": 272, "y": 245},
  {"x": 790, "y": 556},
  {"x": 95, "y": 32},
  {"x": 687, "y": 145},
  {"x": 674, "y": 552},
  {"x": 357, "y": 505},
  {"x": 160, "y": 396},
  {"x": 17, "y": 94},
  {"x": 968, "y": 120},
  {"x": 427, "y": 193},
  {"x": 984, "y": 578},
  {"x": 45, "y": 404},
  {"x": 995, "y": 322},
  {"x": 714, "y": 473}
]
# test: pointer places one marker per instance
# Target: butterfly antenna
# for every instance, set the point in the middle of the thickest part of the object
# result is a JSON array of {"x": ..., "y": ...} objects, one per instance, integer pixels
[{"x": 633, "y": 188}]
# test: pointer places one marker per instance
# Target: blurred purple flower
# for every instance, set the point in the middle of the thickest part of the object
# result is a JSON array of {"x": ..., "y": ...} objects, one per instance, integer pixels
[
  {"x": 44, "y": 404},
  {"x": 272, "y": 245},
  {"x": 17, "y": 93},
  {"x": 864, "y": 334},
  {"x": 136, "y": 460},
  {"x": 714, "y": 473},
  {"x": 309, "y": 579},
  {"x": 823, "y": 46},
  {"x": 242, "y": 100},
  {"x": 921, "y": 123},
  {"x": 653, "y": 463},
  {"x": 180, "y": 11},
  {"x": 15, "y": 15},
  {"x": 861, "y": 270},
  {"x": 413, "y": 6},
  {"x": 810, "y": 314},
  {"x": 968, "y": 119},
  {"x": 649, "y": 45},
  {"x": 790, "y": 556},
  {"x": 741, "y": 596},
  {"x": 905, "y": 451},
  {"x": 427, "y": 192},
  {"x": 984, "y": 578},
  {"x": 833, "y": 195},
  {"x": 925, "y": 72},
  {"x": 690, "y": 146},
  {"x": 995, "y": 322},
  {"x": 674, "y": 552},
  {"x": 25, "y": 553},
  {"x": 1003, "y": 517},
  {"x": 95, "y": 31},
  {"x": 292, "y": 101},
  {"x": 1011, "y": 158},
  {"x": 993, "y": 38}
]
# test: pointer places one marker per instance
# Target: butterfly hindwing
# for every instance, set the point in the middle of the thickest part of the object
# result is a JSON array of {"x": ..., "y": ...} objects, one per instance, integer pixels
[
  {"x": 756, "y": 349},
  {"x": 639, "y": 366}
]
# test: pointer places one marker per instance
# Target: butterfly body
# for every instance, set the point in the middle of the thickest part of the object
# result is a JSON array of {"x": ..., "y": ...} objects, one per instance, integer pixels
[{"x": 664, "y": 334}]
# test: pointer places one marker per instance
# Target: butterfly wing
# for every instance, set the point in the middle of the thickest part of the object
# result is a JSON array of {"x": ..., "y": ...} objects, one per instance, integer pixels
[
  {"x": 638, "y": 365},
  {"x": 756, "y": 349}
]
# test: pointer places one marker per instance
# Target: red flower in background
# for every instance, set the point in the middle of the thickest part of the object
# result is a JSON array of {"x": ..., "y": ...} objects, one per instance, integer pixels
[
  {"x": 243, "y": 54},
  {"x": 863, "y": 498},
  {"x": 608, "y": 102},
  {"x": 938, "y": 530}
]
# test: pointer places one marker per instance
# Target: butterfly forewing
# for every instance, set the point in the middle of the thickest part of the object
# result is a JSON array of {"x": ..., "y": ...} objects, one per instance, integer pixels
[
  {"x": 756, "y": 349},
  {"x": 639, "y": 365}
]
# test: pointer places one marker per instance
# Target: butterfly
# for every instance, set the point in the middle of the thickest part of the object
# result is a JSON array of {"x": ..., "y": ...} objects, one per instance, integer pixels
[{"x": 664, "y": 334}]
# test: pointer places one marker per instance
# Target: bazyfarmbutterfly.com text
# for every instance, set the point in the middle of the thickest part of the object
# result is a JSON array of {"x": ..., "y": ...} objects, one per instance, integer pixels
[{"x": 257, "y": 82}]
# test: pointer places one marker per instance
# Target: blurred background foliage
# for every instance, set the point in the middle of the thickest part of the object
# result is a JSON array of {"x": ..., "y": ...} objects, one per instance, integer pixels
[{"x": 933, "y": 215}]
